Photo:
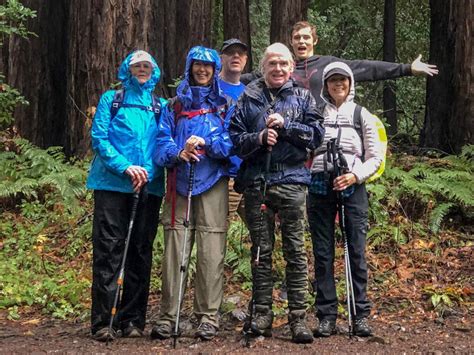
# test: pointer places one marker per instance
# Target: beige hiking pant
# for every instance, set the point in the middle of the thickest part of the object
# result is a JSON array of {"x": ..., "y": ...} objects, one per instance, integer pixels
[
  {"x": 207, "y": 229},
  {"x": 236, "y": 204}
]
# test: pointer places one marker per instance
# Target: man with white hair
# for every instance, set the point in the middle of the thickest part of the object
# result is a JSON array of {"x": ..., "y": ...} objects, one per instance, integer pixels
[{"x": 274, "y": 125}]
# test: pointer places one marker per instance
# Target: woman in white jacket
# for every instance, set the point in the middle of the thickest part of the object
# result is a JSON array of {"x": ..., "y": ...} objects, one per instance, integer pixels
[{"x": 363, "y": 154}]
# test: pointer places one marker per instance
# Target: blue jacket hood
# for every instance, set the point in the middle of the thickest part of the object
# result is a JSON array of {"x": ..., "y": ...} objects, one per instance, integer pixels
[
  {"x": 184, "y": 91},
  {"x": 129, "y": 81}
]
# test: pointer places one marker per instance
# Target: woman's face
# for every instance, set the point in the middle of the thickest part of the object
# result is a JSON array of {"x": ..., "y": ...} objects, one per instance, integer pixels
[
  {"x": 338, "y": 88},
  {"x": 141, "y": 71},
  {"x": 202, "y": 72}
]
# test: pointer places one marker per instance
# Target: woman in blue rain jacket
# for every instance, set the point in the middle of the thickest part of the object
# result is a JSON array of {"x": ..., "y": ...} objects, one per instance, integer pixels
[
  {"x": 194, "y": 131},
  {"x": 124, "y": 135}
]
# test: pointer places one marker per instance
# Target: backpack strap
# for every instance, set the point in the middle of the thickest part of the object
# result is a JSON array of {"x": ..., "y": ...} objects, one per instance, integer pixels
[
  {"x": 357, "y": 120},
  {"x": 117, "y": 103}
]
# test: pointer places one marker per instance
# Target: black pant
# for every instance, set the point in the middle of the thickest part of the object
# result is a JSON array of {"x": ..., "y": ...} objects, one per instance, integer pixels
[
  {"x": 321, "y": 215},
  {"x": 112, "y": 212},
  {"x": 289, "y": 202}
]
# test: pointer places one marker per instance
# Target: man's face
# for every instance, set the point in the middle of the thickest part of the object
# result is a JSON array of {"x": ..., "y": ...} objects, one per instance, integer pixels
[
  {"x": 277, "y": 70},
  {"x": 234, "y": 59},
  {"x": 303, "y": 43}
]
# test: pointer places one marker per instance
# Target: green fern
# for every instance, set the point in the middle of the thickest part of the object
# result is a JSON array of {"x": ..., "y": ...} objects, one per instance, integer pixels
[
  {"x": 438, "y": 214},
  {"x": 29, "y": 172}
]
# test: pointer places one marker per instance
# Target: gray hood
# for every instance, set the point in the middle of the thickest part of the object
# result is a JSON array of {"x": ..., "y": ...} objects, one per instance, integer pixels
[{"x": 337, "y": 65}]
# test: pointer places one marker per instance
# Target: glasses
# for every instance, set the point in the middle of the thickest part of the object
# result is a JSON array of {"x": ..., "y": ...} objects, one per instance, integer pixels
[{"x": 232, "y": 51}]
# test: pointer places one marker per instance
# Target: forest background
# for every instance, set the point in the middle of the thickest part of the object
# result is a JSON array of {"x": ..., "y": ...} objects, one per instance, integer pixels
[{"x": 59, "y": 56}]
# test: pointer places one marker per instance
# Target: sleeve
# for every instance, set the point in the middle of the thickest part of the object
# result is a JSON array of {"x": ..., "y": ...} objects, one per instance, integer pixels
[
  {"x": 110, "y": 156},
  {"x": 166, "y": 151},
  {"x": 372, "y": 147},
  {"x": 150, "y": 165},
  {"x": 373, "y": 70},
  {"x": 310, "y": 132},
  {"x": 219, "y": 146},
  {"x": 246, "y": 144}
]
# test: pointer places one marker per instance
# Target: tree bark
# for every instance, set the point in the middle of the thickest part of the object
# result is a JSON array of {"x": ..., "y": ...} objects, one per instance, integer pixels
[
  {"x": 236, "y": 18},
  {"x": 389, "y": 50},
  {"x": 450, "y": 95},
  {"x": 37, "y": 68},
  {"x": 185, "y": 23},
  {"x": 284, "y": 15},
  {"x": 101, "y": 35}
]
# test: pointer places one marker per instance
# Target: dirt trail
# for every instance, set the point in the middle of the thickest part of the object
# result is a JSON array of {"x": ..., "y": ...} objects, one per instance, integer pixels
[{"x": 394, "y": 336}]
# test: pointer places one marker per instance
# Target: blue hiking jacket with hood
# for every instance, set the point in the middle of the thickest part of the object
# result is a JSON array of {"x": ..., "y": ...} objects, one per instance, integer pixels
[
  {"x": 127, "y": 139},
  {"x": 211, "y": 126}
]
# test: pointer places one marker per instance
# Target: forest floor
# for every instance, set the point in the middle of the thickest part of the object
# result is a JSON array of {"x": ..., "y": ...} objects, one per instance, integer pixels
[
  {"x": 391, "y": 335},
  {"x": 406, "y": 331}
]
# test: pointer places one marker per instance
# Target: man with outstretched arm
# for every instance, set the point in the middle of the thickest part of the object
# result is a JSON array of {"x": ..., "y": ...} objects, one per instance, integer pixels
[{"x": 309, "y": 66}]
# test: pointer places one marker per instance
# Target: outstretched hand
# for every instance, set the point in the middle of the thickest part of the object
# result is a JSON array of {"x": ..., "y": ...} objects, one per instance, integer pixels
[{"x": 420, "y": 68}]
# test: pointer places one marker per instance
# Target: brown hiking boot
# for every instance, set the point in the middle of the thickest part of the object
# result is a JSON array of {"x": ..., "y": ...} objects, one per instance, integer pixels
[{"x": 300, "y": 332}]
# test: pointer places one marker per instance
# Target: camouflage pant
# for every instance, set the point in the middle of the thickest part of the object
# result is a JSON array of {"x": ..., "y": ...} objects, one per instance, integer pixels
[{"x": 289, "y": 202}]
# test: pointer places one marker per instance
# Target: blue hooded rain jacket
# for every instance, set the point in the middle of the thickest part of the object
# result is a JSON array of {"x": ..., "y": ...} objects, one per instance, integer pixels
[
  {"x": 127, "y": 139},
  {"x": 175, "y": 129}
]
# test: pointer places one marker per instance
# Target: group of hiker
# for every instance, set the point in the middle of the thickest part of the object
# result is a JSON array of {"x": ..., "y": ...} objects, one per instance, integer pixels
[{"x": 282, "y": 142}]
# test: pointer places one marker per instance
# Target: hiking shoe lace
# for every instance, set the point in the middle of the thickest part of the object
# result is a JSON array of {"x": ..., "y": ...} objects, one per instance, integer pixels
[
  {"x": 206, "y": 331},
  {"x": 362, "y": 328},
  {"x": 326, "y": 328},
  {"x": 105, "y": 334},
  {"x": 299, "y": 330},
  {"x": 161, "y": 331}
]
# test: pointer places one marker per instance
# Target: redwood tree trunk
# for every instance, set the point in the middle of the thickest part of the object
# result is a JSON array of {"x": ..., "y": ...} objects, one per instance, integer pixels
[
  {"x": 37, "y": 68},
  {"x": 185, "y": 23},
  {"x": 284, "y": 15},
  {"x": 98, "y": 43},
  {"x": 389, "y": 50},
  {"x": 450, "y": 95},
  {"x": 237, "y": 24}
]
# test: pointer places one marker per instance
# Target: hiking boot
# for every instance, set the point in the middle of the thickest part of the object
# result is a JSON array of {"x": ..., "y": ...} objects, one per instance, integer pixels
[
  {"x": 362, "y": 328},
  {"x": 206, "y": 331},
  {"x": 261, "y": 322},
  {"x": 299, "y": 330},
  {"x": 326, "y": 328},
  {"x": 132, "y": 331},
  {"x": 161, "y": 331},
  {"x": 105, "y": 334}
]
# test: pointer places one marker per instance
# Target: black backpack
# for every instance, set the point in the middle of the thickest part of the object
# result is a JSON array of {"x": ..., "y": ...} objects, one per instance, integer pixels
[{"x": 118, "y": 102}]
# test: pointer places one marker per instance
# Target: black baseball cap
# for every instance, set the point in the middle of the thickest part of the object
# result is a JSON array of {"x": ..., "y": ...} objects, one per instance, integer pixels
[
  {"x": 337, "y": 71},
  {"x": 231, "y": 42}
]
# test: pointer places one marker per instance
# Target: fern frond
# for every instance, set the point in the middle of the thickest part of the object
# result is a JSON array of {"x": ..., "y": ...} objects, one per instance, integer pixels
[{"x": 437, "y": 215}]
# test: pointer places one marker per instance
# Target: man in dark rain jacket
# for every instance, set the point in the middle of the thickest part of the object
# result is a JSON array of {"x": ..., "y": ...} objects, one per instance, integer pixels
[{"x": 273, "y": 128}]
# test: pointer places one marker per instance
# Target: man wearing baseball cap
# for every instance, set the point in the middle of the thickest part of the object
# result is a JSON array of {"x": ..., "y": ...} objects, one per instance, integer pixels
[{"x": 234, "y": 59}]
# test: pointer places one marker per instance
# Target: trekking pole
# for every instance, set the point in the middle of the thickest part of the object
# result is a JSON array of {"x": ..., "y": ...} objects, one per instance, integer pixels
[
  {"x": 263, "y": 208},
  {"x": 182, "y": 267},
  {"x": 340, "y": 167},
  {"x": 136, "y": 198}
]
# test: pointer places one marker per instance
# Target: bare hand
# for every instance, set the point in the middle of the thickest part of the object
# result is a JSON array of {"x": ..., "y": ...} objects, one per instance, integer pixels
[
  {"x": 272, "y": 137},
  {"x": 275, "y": 121},
  {"x": 189, "y": 156},
  {"x": 191, "y": 151},
  {"x": 138, "y": 175},
  {"x": 344, "y": 181},
  {"x": 420, "y": 68}
]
